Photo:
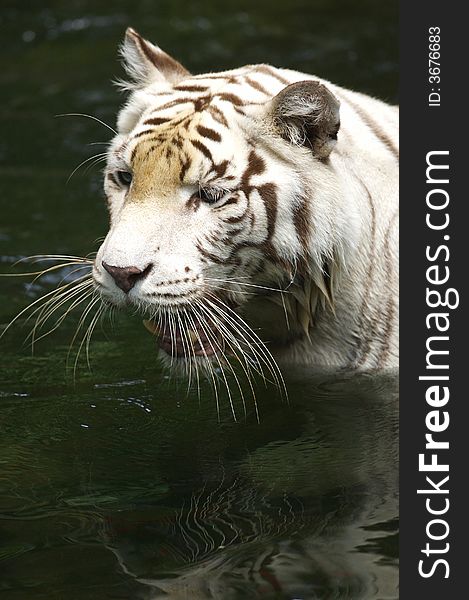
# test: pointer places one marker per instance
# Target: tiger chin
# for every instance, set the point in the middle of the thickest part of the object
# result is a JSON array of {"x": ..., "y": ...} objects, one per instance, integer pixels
[{"x": 253, "y": 215}]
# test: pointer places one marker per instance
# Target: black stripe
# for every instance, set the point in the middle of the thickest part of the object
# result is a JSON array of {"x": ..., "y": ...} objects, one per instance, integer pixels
[
  {"x": 269, "y": 71},
  {"x": 374, "y": 127},
  {"x": 156, "y": 121},
  {"x": 203, "y": 148},
  {"x": 209, "y": 133},
  {"x": 257, "y": 86}
]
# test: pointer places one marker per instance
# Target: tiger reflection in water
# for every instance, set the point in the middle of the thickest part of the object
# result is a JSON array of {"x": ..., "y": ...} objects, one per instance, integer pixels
[
  {"x": 310, "y": 518},
  {"x": 242, "y": 545}
]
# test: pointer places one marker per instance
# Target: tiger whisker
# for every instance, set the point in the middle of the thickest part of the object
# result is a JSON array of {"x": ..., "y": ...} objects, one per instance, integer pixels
[
  {"x": 196, "y": 364},
  {"x": 79, "y": 325},
  {"x": 231, "y": 340},
  {"x": 94, "y": 300},
  {"x": 88, "y": 117},
  {"x": 249, "y": 344},
  {"x": 84, "y": 338},
  {"x": 186, "y": 349},
  {"x": 94, "y": 163},
  {"x": 96, "y": 156},
  {"x": 263, "y": 350},
  {"x": 172, "y": 333},
  {"x": 210, "y": 367},
  {"x": 235, "y": 282},
  {"x": 82, "y": 297},
  {"x": 71, "y": 264},
  {"x": 34, "y": 303},
  {"x": 285, "y": 312},
  {"x": 39, "y": 257},
  {"x": 42, "y": 272},
  {"x": 70, "y": 294},
  {"x": 246, "y": 369},
  {"x": 226, "y": 358},
  {"x": 59, "y": 292},
  {"x": 82, "y": 292},
  {"x": 70, "y": 273},
  {"x": 223, "y": 289},
  {"x": 222, "y": 371},
  {"x": 96, "y": 318}
]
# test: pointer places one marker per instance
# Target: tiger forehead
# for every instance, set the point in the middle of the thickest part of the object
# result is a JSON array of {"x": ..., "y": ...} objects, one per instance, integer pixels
[
  {"x": 173, "y": 128},
  {"x": 179, "y": 115},
  {"x": 163, "y": 155},
  {"x": 155, "y": 165}
]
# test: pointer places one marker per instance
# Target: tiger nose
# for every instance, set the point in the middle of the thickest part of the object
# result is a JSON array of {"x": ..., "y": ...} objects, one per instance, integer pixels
[{"x": 126, "y": 277}]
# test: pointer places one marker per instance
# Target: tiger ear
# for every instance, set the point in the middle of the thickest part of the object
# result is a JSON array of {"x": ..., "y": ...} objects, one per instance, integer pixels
[
  {"x": 307, "y": 114},
  {"x": 146, "y": 63}
]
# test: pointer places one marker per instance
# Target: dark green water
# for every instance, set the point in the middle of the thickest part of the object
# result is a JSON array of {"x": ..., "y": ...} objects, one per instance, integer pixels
[{"x": 116, "y": 483}]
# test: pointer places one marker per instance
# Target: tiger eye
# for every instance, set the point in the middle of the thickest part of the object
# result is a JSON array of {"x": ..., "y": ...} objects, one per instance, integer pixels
[
  {"x": 124, "y": 177},
  {"x": 210, "y": 195},
  {"x": 205, "y": 196}
]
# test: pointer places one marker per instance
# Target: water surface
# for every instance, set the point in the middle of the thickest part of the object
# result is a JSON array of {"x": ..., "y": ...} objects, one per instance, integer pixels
[{"x": 116, "y": 482}]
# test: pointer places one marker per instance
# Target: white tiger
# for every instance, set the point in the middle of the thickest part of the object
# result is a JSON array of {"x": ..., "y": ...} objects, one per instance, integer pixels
[{"x": 242, "y": 201}]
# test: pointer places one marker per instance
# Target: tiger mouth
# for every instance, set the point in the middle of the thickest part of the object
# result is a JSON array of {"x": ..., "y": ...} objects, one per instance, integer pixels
[{"x": 183, "y": 340}]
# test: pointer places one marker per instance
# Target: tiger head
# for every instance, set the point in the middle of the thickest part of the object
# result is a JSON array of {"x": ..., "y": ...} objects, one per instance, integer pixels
[{"x": 209, "y": 182}]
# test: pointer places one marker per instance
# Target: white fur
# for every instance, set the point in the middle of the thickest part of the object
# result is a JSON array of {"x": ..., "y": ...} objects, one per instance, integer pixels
[{"x": 358, "y": 179}]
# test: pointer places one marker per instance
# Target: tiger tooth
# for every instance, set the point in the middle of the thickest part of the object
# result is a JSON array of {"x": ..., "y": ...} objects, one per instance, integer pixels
[{"x": 151, "y": 326}]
